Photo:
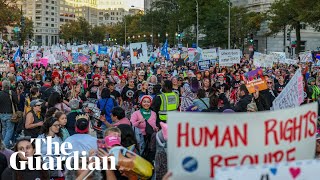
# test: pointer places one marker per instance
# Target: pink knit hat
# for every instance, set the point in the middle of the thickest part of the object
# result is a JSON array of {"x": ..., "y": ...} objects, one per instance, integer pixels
[{"x": 145, "y": 96}]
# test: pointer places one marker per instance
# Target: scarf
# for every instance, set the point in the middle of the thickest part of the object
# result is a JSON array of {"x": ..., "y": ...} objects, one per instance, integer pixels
[{"x": 146, "y": 114}]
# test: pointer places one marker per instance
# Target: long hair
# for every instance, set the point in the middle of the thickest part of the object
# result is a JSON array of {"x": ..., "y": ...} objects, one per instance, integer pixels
[
  {"x": 47, "y": 124},
  {"x": 54, "y": 98},
  {"x": 50, "y": 112},
  {"x": 19, "y": 175}
]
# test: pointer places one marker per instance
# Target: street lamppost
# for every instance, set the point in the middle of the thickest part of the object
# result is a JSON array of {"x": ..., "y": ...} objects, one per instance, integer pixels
[{"x": 125, "y": 30}]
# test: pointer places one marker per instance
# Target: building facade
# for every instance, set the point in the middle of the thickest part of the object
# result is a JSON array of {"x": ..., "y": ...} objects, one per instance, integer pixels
[
  {"x": 279, "y": 42},
  {"x": 45, "y": 15}
]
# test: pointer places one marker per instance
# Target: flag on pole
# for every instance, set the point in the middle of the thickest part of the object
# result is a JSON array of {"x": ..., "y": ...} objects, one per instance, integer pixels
[
  {"x": 17, "y": 55},
  {"x": 164, "y": 50}
]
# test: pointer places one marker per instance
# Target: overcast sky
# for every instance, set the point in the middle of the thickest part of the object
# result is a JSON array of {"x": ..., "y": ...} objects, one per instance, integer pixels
[{"x": 137, "y": 3}]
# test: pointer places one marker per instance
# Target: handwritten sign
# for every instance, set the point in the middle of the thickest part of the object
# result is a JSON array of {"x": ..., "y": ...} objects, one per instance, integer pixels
[
  {"x": 204, "y": 65},
  {"x": 200, "y": 143},
  {"x": 298, "y": 170},
  {"x": 263, "y": 60},
  {"x": 292, "y": 95},
  {"x": 290, "y": 61},
  {"x": 255, "y": 80},
  {"x": 229, "y": 57},
  {"x": 209, "y": 54}
]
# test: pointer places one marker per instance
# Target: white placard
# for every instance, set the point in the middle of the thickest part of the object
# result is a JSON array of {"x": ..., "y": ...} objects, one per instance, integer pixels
[
  {"x": 229, "y": 57},
  {"x": 298, "y": 170},
  {"x": 263, "y": 60},
  {"x": 199, "y": 143},
  {"x": 138, "y": 52},
  {"x": 279, "y": 57},
  {"x": 209, "y": 54},
  {"x": 292, "y": 95}
]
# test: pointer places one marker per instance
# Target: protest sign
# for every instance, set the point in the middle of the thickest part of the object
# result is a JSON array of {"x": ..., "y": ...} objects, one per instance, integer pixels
[
  {"x": 290, "y": 61},
  {"x": 297, "y": 170},
  {"x": 102, "y": 50},
  {"x": 255, "y": 80},
  {"x": 191, "y": 54},
  {"x": 292, "y": 95},
  {"x": 209, "y": 54},
  {"x": 204, "y": 65},
  {"x": 4, "y": 67},
  {"x": 279, "y": 57},
  {"x": 201, "y": 142},
  {"x": 263, "y": 60},
  {"x": 305, "y": 57},
  {"x": 229, "y": 57},
  {"x": 138, "y": 52}
]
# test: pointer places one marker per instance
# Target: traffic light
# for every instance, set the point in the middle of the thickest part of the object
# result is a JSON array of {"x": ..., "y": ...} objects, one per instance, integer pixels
[
  {"x": 251, "y": 38},
  {"x": 289, "y": 36}
]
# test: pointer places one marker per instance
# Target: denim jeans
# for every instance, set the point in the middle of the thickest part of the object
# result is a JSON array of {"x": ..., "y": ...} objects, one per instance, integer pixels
[{"x": 7, "y": 129}]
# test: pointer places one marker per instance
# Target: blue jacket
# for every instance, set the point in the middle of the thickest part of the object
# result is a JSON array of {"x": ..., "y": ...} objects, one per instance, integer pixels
[{"x": 107, "y": 104}]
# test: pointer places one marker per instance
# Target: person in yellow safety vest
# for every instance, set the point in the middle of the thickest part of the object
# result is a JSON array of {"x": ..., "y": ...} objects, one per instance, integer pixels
[{"x": 164, "y": 102}]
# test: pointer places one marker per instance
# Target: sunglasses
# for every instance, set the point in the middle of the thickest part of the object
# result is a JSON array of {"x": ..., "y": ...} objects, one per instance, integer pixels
[{"x": 269, "y": 82}]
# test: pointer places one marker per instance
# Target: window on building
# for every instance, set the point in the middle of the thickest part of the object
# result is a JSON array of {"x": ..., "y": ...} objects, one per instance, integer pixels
[
  {"x": 117, "y": 13},
  {"x": 52, "y": 19},
  {"x": 52, "y": 13},
  {"x": 52, "y": 8},
  {"x": 106, "y": 18},
  {"x": 61, "y": 20},
  {"x": 52, "y": 25},
  {"x": 117, "y": 18},
  {"x": 47, "y": 19},
  {"x": 112, "y": 13},
  {"x": 38, "y": 6},
  {"x": 47, "y": 24},
  {"x": 47, "y": 7},
  {"x": 38, "y": 18},
  {"x": 47, "y": 1},
  {"x": 38, "y": 24},
  {"x": 47, "y": 12},
  {"x": 52, "y": 2},
  {"x": 101, "y": 13},
  {"x": 112, "y": 18},
  {"x": 100, "y": 18}
]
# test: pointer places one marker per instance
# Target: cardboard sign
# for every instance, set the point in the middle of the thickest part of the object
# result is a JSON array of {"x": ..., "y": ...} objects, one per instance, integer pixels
[
  {"x": 298, "y": 170},
  {"x": 138, "y": 52},
  {"x": 305, "y": 57},
  {"x": 208, "y": 54},
  {"x": 255, "y": 80},
  {"x": 204, "y": 65},
  {"x": 292, "y": 95},
  {"x": 229, "y": 57},
  {"x": 290, "y": 61},
  {"x": 263, "y": 60},
  {"x": 191, "y": 54},
  {"x": 199, "y": 143}
]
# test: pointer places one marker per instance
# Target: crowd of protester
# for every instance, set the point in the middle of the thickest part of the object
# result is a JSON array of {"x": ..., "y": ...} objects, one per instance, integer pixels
[{"x": 133, "y": 103}]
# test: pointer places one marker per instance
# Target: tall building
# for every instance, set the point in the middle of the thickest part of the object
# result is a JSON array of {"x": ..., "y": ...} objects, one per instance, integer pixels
[
  {"x": 67, "y": 12},
  {"x": 279, "y": 43},
  {"x": 46, "y": 18}
]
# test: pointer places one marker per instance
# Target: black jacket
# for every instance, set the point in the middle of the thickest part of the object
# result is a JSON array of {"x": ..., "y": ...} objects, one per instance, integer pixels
[{"x": 5, "y": 101}]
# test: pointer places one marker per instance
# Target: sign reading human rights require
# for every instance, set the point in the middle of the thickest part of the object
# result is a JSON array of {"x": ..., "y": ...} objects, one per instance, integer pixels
[
  {"x": 229, "y": 57},
  {"x": 200, "y": 143}
]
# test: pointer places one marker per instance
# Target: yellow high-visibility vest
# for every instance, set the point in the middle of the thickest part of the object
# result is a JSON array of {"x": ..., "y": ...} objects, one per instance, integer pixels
[{"x": 169, "y": 102}]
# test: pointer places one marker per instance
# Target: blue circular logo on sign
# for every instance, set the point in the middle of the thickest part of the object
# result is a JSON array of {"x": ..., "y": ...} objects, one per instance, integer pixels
[{"x": 190, "y": 164}]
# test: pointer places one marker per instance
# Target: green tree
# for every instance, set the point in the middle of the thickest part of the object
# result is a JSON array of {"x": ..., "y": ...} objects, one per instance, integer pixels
[
  {"x": 9, "y": 15},
  {"x": 243, "y": 23},
  {"x": 291, "y": 13},
  {"x": 98, "y": 33}
]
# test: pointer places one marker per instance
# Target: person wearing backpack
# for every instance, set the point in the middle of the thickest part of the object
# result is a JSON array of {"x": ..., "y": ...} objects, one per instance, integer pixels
[
  {"x": 106, "y": 104},
  {"x": 202, "y": 102}
]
